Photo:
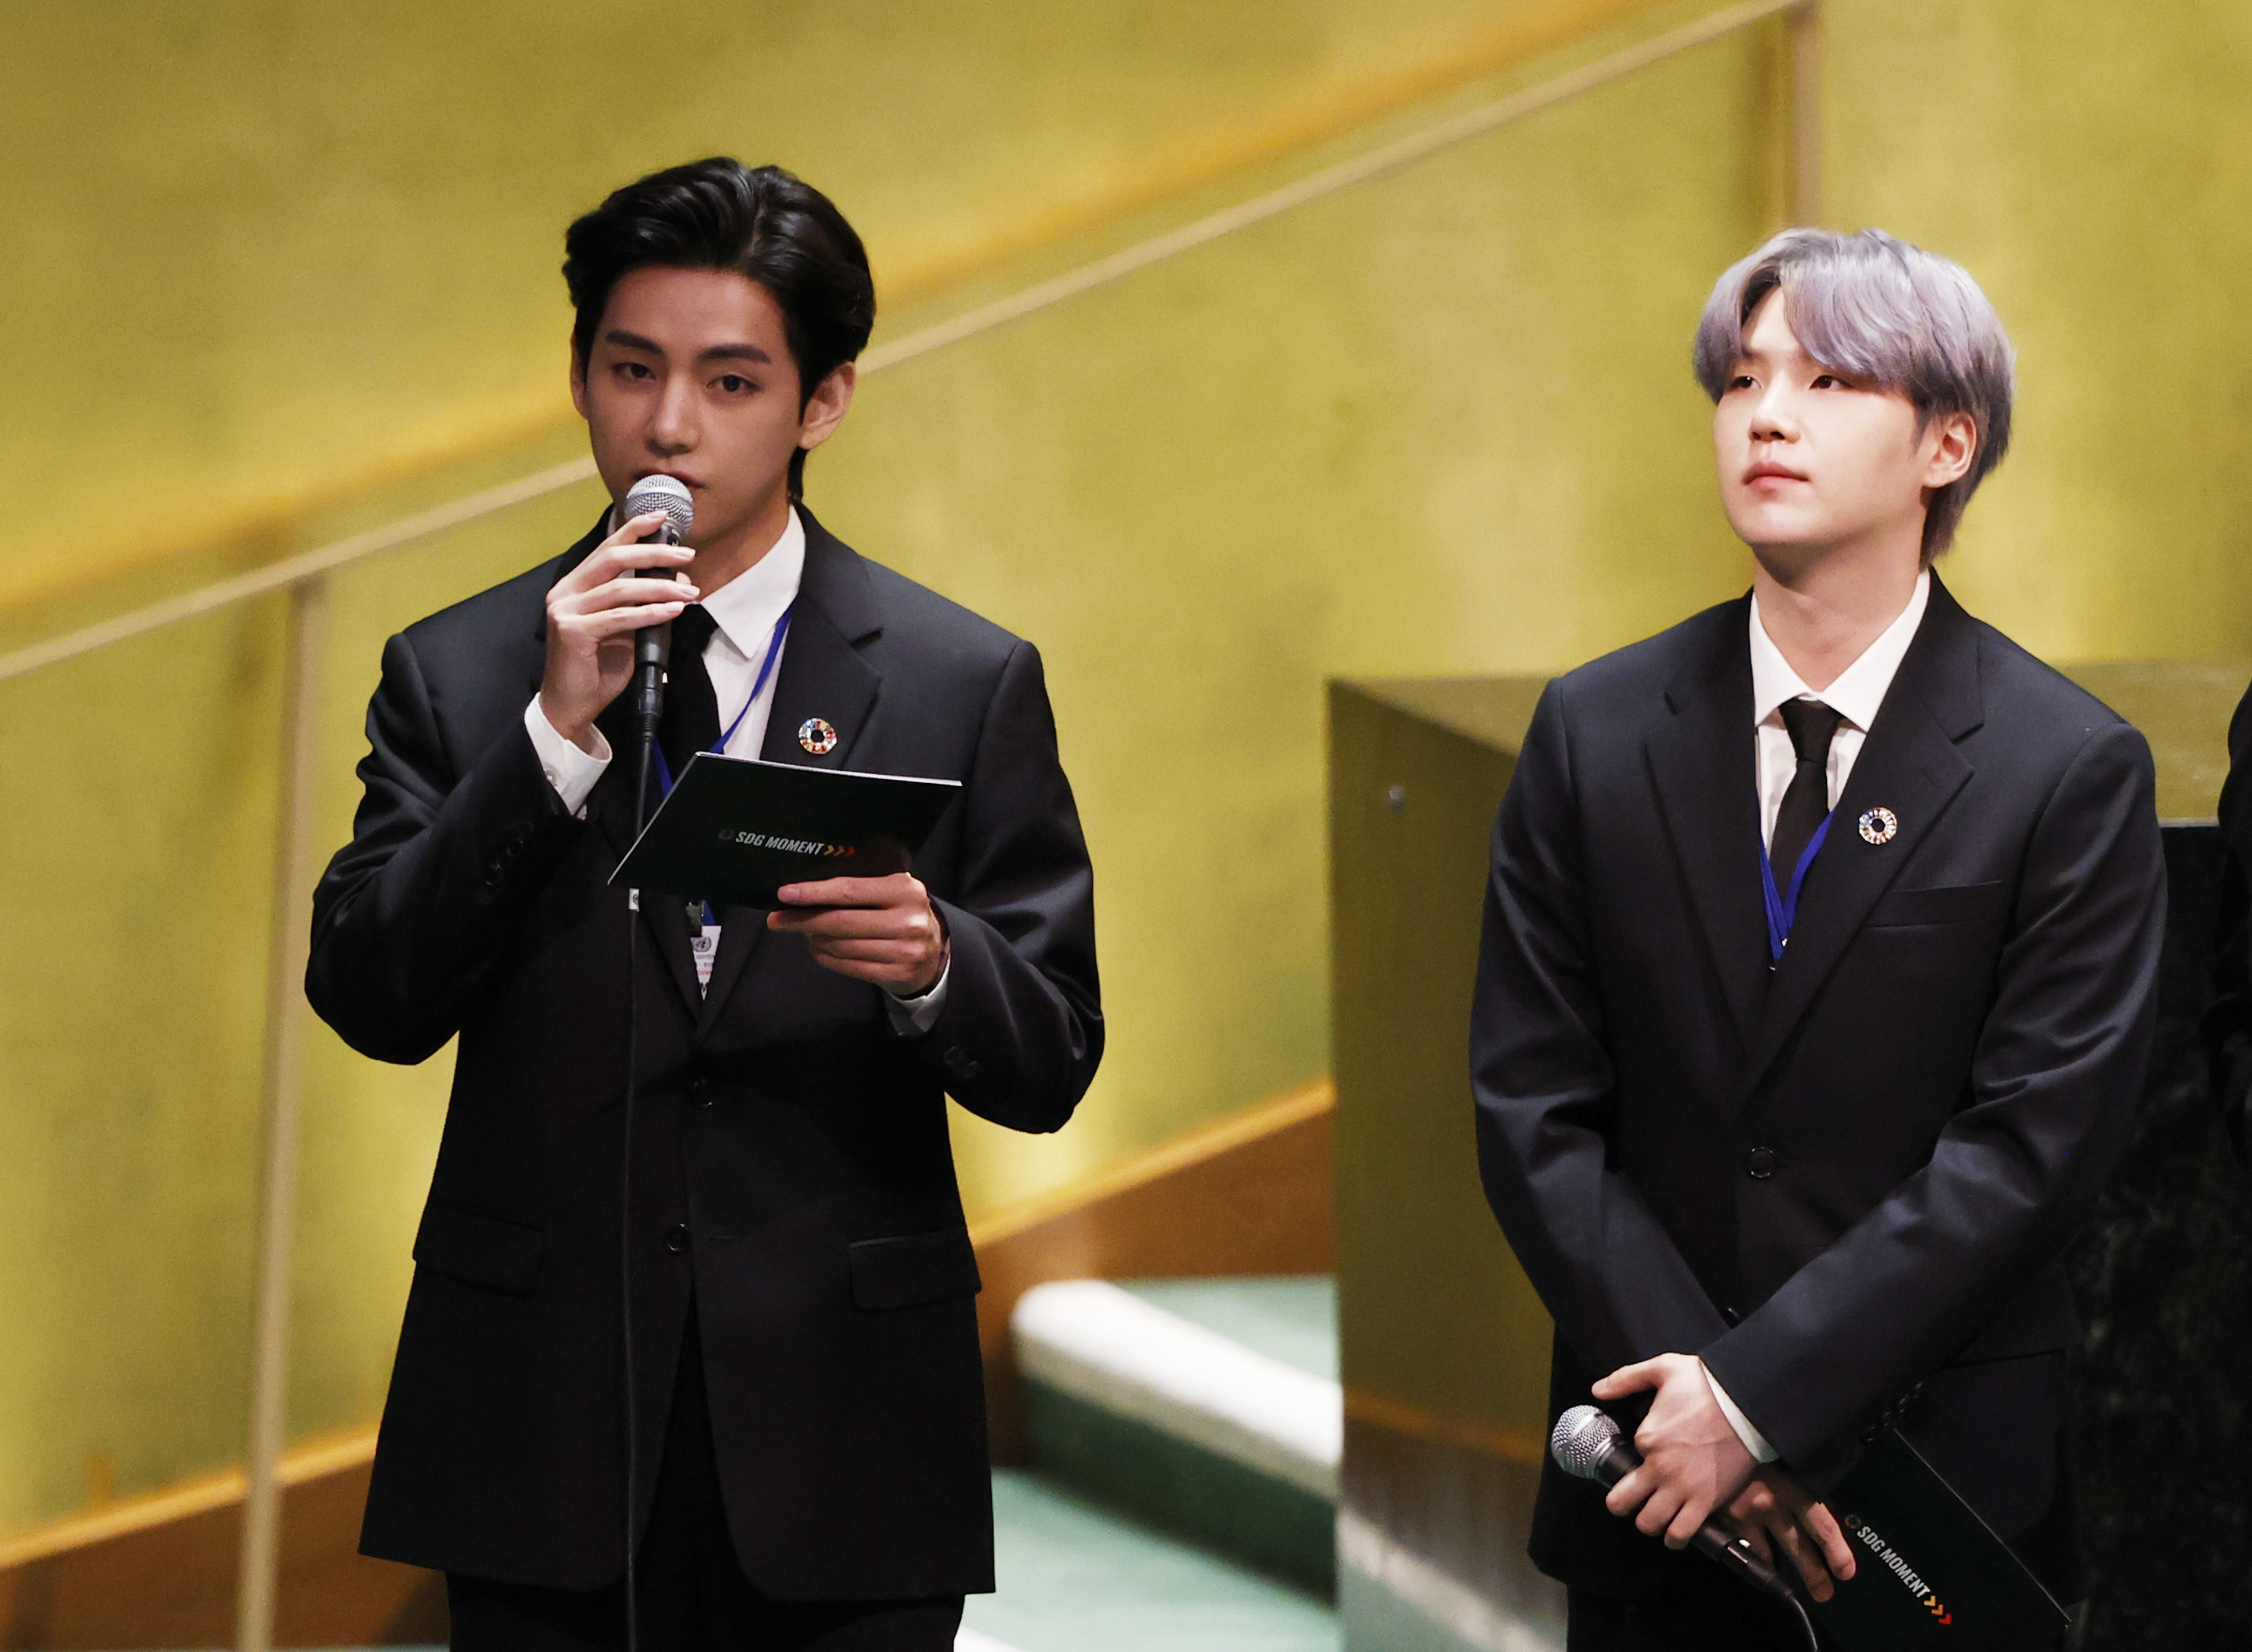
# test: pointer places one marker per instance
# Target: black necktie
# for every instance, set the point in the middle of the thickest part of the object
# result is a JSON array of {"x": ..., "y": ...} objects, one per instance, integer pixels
[
  {"x": 691, "y": 721},
  {"x": 1807, "y": 801}
]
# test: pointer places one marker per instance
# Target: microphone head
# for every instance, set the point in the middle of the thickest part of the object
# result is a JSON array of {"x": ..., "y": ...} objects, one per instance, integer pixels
[
  {"x": 664, "y": 493},
  {"x": 1582, "y": 1437}
]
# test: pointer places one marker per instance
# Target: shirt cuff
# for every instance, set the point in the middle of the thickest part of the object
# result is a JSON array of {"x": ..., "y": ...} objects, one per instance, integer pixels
[
  {"x": 1754, "y": 1442},
  {"x": 571, "y": 771},
  {"x": 918, "y": 1013}
]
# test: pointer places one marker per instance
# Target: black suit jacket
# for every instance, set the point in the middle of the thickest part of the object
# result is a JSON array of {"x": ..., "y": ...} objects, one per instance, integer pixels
[
  {"x": 1846, "y": 1183},
  {"x": 790, "y": 1156}
]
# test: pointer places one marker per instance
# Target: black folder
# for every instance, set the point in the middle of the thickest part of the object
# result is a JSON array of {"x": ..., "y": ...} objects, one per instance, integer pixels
[
  {"x": 1928, "y": 1571},
  {"x": 733, "y": 830}
]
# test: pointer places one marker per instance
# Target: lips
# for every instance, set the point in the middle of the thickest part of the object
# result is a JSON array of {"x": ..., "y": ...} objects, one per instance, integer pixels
[
  {"x": 1762, "y": 473},
  {"x": 688, "y": 482}
]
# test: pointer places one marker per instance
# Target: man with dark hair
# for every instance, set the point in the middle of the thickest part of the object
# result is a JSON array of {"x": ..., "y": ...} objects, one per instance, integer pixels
[
  {"x": 808, "y": 1406},
  {"x": 1818, "y": 983}
]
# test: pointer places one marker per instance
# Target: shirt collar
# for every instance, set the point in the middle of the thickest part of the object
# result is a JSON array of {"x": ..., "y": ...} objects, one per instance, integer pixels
[
  {"x": 1860, "y": 689},
  {"x": 748, "y": 607}
]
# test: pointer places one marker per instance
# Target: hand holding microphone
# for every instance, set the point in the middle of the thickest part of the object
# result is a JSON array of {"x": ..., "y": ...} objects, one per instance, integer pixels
[
  {"x": 1586, "y": 1442},
  {"x": 598, "y": 613}
]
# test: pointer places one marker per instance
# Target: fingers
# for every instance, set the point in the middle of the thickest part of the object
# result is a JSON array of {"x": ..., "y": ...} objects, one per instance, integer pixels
[
  {"x": 1807, "y": 1557},
  {"x": 1632, "y": 1490},
  {"x": 891, "y": 890},
  {"x": 1751, "y": 1534},
  {"x": 905, "y": 953},
  {"x": 857, "y": 923},
  {"x": 1823, "y": 1526},
  {"x": 1686, "y": 1522},
  {"x": 1659, "y": 1515},
  {"x": 1631, "y": 1379},
  {"x": 609, "y": 621},
  {"x": 623, "y": 552}
]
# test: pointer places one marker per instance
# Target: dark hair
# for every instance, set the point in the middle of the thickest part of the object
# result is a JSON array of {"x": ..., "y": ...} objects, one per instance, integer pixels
[{"x": 760, "y": 222}]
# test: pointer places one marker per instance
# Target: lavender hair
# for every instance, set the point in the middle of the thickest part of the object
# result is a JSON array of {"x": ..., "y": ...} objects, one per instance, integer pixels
[{"x": 1882, "y": 311}]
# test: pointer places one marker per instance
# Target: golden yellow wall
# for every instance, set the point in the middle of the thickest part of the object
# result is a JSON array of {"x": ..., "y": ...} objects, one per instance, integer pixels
[
  {"x": 255, "y": 253},
  {"x": 1441, "y": 423}
]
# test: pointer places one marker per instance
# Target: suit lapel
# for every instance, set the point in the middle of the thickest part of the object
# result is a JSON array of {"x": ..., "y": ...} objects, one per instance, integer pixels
[
  {"x": 1910, "y": 763},
  {"x": 822, "y": 675},
  {"x": 1703, "y": 763}
]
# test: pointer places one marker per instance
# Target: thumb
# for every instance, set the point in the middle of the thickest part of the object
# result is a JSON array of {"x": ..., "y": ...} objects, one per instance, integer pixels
[{"x": 1628, "y": 1379}]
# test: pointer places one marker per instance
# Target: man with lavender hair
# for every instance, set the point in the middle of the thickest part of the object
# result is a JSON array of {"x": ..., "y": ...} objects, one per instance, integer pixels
[{"x": 1817, "y": 982}]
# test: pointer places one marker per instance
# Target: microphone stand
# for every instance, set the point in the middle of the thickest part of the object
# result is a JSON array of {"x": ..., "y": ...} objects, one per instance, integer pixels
[{"x": 652, "y": 652}]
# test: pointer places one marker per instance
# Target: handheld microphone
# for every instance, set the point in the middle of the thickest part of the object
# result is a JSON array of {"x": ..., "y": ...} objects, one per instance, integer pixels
[
  {"x": 1586, "y": 1442},
  {"x": 653, "y": 644}
]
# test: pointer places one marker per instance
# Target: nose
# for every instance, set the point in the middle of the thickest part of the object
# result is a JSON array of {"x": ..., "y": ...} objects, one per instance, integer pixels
[
  {"x": 1773, "y": 418},
  {"x": 673, "y": 428}
]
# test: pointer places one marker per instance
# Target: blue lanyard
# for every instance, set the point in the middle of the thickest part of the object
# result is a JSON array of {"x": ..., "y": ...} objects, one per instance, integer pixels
[
  {"x": 1783, "y": 909},
  {"x": 766, "y": 669}
]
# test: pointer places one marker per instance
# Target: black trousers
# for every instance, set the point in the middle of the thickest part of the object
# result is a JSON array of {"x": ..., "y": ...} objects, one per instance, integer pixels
[
  {"x": 692, "y": 1592},
  {"x": 1699, "y": 1609}
]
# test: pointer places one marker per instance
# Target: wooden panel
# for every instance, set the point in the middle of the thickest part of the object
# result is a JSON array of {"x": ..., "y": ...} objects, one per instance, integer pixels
[
  {"x": 1443, "y": 1345},
  {"x": 1251, "y": 1194},
  {"x": 160, "y": 1572},
  {"x": 1433, "y": 1310}
]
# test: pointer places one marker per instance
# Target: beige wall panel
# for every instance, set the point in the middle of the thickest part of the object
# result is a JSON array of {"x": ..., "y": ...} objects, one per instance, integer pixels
[
  {"x": 139, "y": 791},
  {"x": 1439, "y": 423},
  {"x": 2092, "y": 166}
]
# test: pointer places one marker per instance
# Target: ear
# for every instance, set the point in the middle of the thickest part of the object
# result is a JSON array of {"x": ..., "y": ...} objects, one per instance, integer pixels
[
  {"x": 1951, "y": 444},
  {"x": 831, "y": 399},
  {"x": 578, "y": 381}
]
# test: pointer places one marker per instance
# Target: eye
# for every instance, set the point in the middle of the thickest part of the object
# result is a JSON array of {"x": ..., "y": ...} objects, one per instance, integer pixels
[
  {"x": 1829, "y": 381},
  {"x": 733, "y": 384},
  {"x": 634, "y": 371},
  {"x": 1741, "y": 381}
]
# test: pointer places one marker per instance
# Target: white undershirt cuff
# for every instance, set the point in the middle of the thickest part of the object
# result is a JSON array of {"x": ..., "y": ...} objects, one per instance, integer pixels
[
  {"x": 1754, "y": 1442},
  {"x": 571, "y": 771},
  {"x": 918, "y": 1013}
]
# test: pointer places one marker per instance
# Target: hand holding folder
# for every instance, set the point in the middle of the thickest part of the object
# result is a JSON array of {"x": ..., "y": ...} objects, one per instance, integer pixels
[
  {"x": 734, "y": 830},
  {"x": 1930, "y": 1571}
]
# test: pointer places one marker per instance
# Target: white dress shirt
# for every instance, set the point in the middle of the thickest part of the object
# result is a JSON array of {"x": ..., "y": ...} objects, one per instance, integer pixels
[
  {"x": 1855, "y": 694},
  {"x": 745, "y": 612}
]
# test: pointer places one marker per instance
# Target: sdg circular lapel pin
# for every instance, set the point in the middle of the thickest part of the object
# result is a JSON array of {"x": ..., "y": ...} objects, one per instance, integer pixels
[
  {"x": 1879, "y": 827},
  {"x": 818, "y": 737}
]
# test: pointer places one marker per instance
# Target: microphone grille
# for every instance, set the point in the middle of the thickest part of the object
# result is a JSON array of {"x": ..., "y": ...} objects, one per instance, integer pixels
[
  {"x": 662, "y": 493},
  {"x": 1582, "y": 1438}
]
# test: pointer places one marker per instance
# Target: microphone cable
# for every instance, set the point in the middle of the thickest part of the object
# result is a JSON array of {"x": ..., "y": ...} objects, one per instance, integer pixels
[
  {"x": 652, "y": 649},
  {"x": 625, "y": 1208}
]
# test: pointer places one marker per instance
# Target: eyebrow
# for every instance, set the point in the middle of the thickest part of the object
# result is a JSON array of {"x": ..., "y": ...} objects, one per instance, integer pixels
[{"x": 625, "y": 340}]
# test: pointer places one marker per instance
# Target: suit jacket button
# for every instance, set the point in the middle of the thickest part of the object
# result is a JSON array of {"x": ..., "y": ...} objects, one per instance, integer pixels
[
  {"x": 958, "y": 1061},
  {"x": 1759, "y": 1163},
  {"x": 701, "y": 1092},
  {"x": 676, "y": 1237}
]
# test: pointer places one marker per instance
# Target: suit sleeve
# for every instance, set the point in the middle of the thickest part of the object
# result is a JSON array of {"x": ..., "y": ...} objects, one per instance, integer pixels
[
  {"x": 1541, "y": 1078},
  {"x": 412, "y": 914},
  {"x": 2054, "y": 1083},
  {"x": 1021, "y": 1032}
]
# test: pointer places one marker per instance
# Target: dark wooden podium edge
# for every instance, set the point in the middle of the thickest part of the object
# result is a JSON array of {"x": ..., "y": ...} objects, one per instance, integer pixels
[{"x": 1248, "y": 1194}]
